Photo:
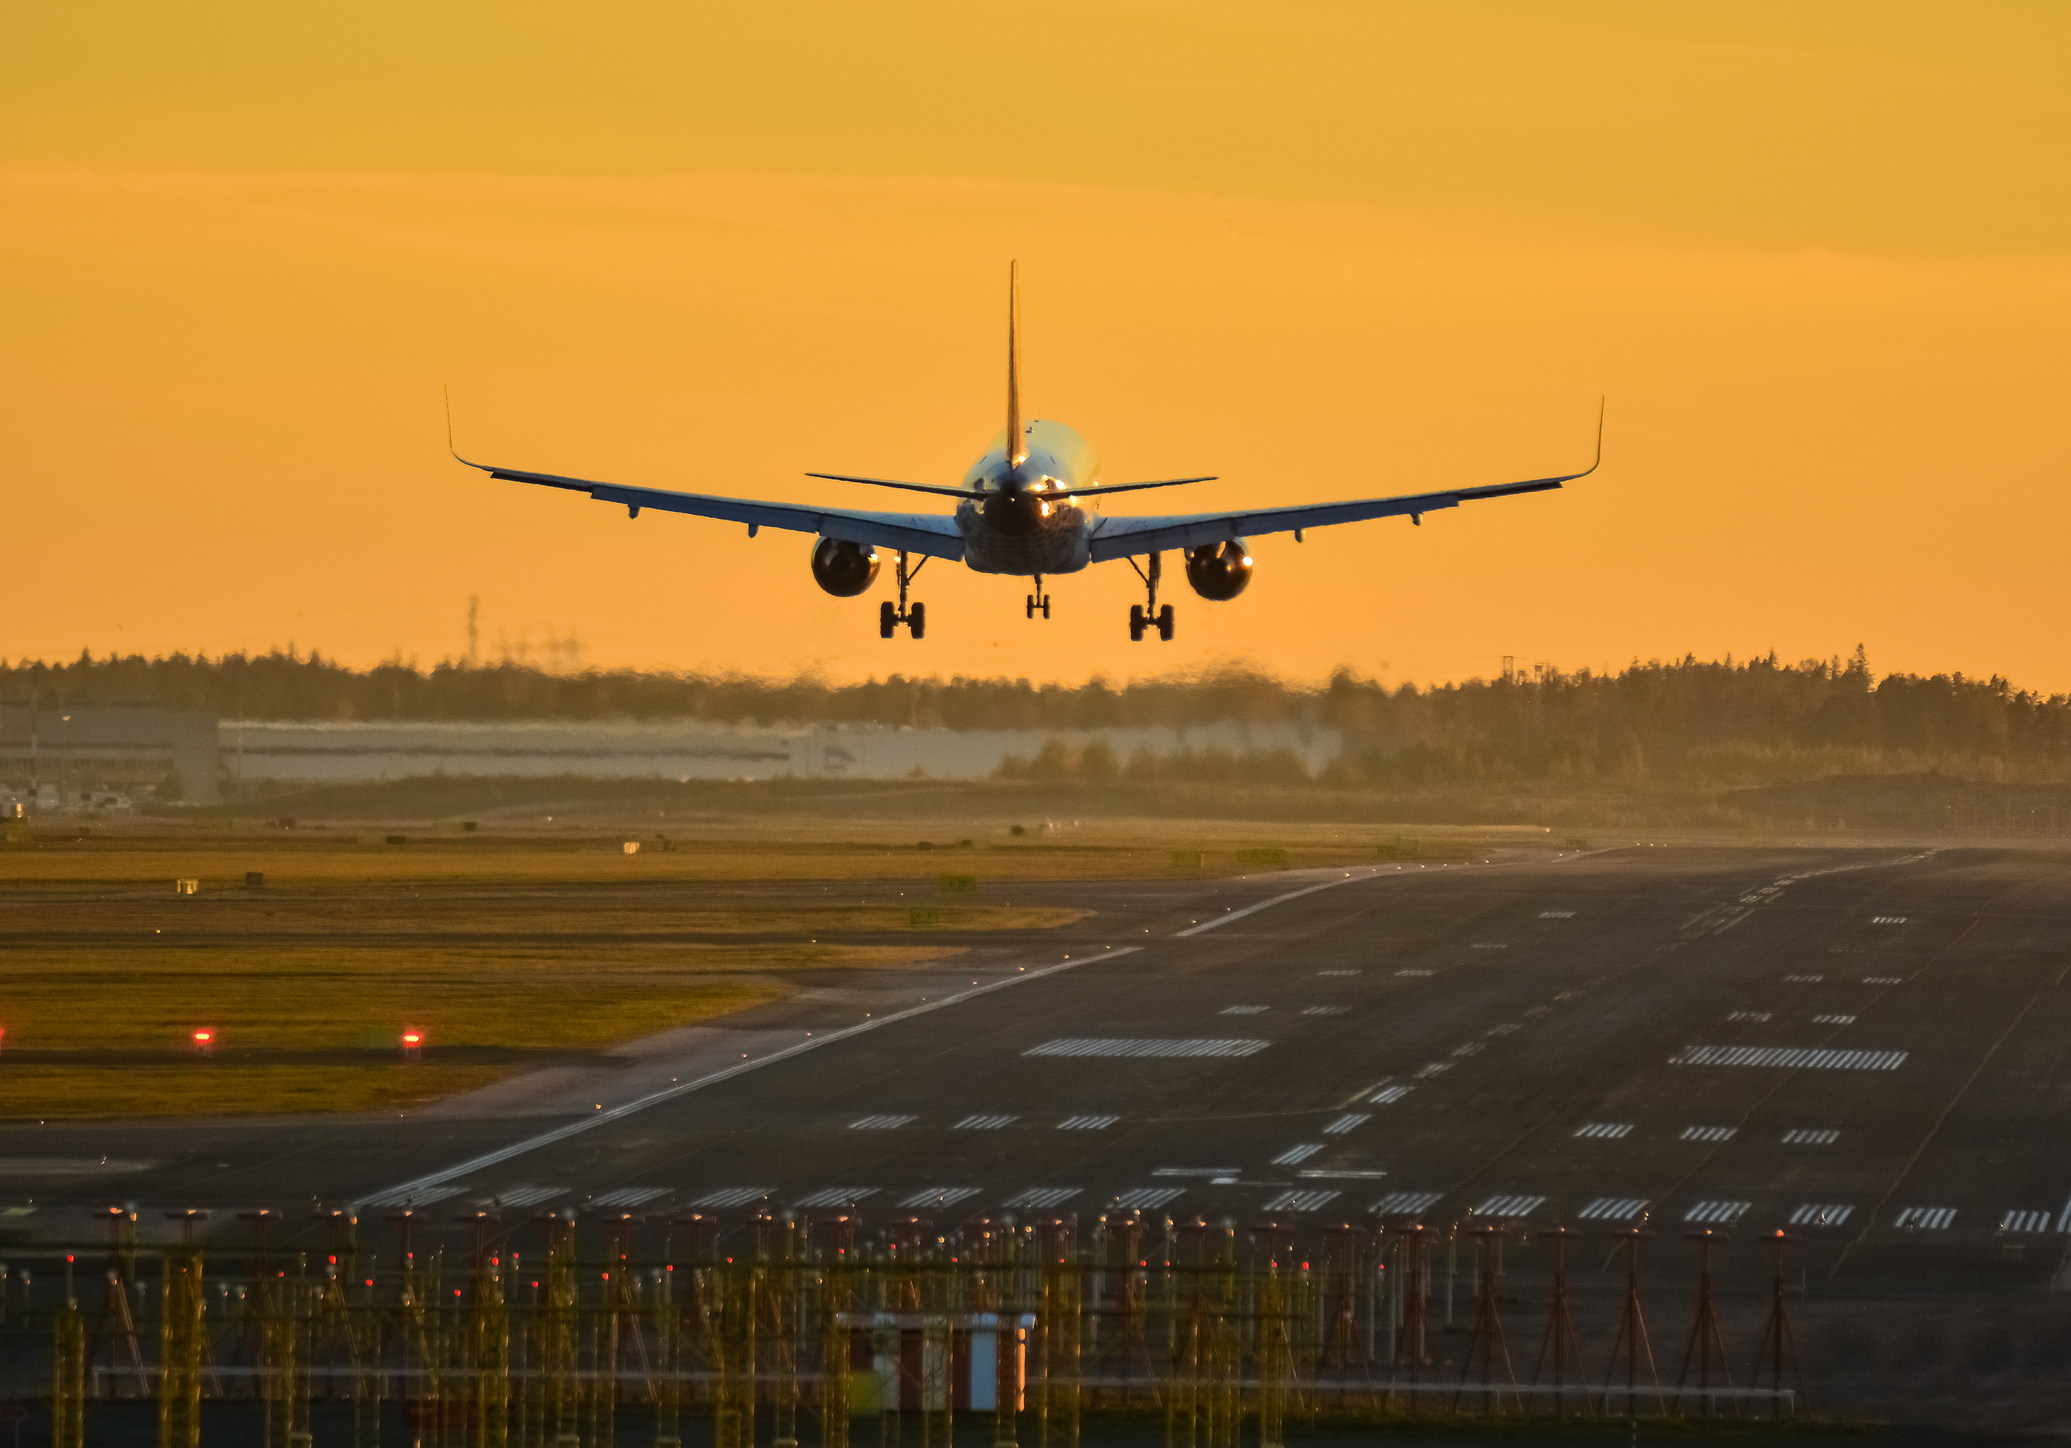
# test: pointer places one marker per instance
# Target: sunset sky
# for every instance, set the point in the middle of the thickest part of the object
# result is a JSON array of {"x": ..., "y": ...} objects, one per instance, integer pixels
[{"x": 1817, "y": 258}]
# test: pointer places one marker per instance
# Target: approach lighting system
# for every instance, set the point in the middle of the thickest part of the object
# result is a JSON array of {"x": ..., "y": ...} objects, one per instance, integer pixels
[
  {"x": 204, "y": 1043},
  {"x": 413, "y": 1044}
]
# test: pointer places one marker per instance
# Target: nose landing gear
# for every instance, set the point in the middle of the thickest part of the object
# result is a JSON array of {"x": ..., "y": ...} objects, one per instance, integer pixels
[
  {"x": 1148, "y": 614},
  {"x": 1039, "y": 599},
  {"x": 916, "y": 617}
]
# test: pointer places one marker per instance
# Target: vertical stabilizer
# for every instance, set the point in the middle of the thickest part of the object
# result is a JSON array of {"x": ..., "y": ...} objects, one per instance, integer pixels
[{"x": 1017, "y": 443}]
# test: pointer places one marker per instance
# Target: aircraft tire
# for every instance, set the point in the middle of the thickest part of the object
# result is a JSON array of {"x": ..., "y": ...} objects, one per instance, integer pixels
[
  {"x": 1165, "y": 623},
  {"x": 917, "y": 619},
  {"x": 1135, "y": 623},
  {"x": 887, "y": 620}
]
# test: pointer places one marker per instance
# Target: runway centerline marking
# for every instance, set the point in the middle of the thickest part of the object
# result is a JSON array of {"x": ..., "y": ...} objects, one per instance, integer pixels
[{"x": 670, "y": 1093}]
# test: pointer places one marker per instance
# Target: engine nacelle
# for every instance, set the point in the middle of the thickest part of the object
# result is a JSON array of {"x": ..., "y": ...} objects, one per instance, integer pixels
[
  {"x": 843, "y": 568},
  {"x": 1219, "y": 571}
]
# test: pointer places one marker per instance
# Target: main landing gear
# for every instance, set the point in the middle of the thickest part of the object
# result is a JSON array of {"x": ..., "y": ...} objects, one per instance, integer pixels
[
  {"x": 916, "y": 617},
  {"x": 1149, "y": 615},
  {"x": 1039, "y": 599}
]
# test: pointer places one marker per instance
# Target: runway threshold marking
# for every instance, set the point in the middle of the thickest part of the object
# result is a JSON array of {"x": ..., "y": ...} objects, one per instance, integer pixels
[
  {"x": 1406, "y": 1204},
  {"x": 1147, "y": 1048},
  {"x": 1042, "y": 1198},
  {"x": 732, "y": 1196},
  {"x": 1822, "y": 1214},
  {"x": 835, "y": 1197},
  {"x": 881, "y": 1123},
  {"x": 937, "y": 1197},
  {"x": 629, "y": 1197},
  {"x": 1804, "y": 1136},
  {"x": 1295, "y": 1154},
  {"x": 1605, "y": 1130},
  {"x": 1791, "y": 1057},
  {"x": 1087, "y": 1123},
  {"x": 1301, "y": 1201},
  {"x": 1613, "y": 1209},
  {"x": 437, "y": 1179},
  {"x": 1149, "y": 1199},
  {"x": 1221, "y": 920},
  {"x": 2018, "y": 1221},
  {"x": 1508, "y": 1206},
  {"x": 1352, "y": 1121},
  {"x": 1925, "y": 1219},
  {"x": 1714, "y": 1214}
]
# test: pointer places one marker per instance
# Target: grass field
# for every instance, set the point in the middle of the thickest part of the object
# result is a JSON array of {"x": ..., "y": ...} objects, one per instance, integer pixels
[{"x": 508, "y": 950}]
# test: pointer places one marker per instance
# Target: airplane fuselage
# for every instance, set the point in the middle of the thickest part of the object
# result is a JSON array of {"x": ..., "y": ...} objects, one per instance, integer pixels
[{"x": 1029, "y": 522}]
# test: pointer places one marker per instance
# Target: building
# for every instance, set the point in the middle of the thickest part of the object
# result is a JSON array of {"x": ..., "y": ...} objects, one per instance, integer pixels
[{"x": 65, "y": 756}]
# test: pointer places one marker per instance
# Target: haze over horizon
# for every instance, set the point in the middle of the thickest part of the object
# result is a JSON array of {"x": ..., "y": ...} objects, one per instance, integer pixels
[{"x": 1817, "y": 263}]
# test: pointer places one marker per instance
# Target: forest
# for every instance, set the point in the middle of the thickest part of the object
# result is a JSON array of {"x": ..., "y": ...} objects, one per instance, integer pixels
[{"x": 1683, "y": 722}]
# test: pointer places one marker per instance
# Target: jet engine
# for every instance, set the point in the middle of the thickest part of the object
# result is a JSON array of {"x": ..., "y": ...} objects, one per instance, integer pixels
[
  {"x": 843, "y": 568},
  {"x": 1219, "y": 571}
]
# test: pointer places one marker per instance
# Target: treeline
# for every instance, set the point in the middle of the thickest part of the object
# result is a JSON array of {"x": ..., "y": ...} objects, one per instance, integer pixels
[{"x": 1683, "y": 721}]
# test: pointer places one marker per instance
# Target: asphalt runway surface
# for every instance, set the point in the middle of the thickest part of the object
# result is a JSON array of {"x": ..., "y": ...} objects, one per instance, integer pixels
[{"x": 1862, "y": 1047}]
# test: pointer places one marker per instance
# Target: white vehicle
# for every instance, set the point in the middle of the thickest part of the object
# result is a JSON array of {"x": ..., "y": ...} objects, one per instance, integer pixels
[{"x": 1028, "y": 507}]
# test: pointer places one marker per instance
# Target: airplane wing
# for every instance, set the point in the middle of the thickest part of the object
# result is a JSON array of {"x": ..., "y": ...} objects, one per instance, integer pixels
[
  {"x": 933, "y": 534},
  {"x": 1123, "y": 537}
]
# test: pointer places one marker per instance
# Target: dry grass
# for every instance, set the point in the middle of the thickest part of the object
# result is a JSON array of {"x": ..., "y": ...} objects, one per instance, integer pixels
[{"x": 506, "y": 954}]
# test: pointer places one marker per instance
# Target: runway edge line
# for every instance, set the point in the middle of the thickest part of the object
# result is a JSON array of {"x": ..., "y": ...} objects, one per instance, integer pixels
[{"x": 655, "y": 1098}]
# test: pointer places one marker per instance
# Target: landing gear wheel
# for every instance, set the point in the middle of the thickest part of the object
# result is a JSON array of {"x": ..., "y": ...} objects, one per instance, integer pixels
[
  {"x": 887, "y": 619},
  {"x": 890, "y": 616},
  {"x": 1135, "y": 623},
  {"x": 1031, "y": 605},
  {"x": 917, "y": 620},
  {"x": 1165, "y": 623}
]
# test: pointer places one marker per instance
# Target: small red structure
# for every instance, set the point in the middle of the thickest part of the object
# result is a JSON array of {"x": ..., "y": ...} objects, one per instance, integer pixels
[
  {"x": 204, "y": 1043},
  {"x": 413, "y": 1045}
]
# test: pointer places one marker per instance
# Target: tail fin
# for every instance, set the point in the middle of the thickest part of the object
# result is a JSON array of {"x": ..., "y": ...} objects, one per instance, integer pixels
[{"x": 1017, "y": 445}]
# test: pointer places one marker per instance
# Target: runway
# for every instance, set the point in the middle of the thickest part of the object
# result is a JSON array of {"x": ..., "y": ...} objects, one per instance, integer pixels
[{"x": 1858, "y": 1046}]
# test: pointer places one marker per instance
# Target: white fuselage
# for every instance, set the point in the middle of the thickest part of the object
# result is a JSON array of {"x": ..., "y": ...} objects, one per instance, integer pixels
[{"x": 1030, "y": 523}]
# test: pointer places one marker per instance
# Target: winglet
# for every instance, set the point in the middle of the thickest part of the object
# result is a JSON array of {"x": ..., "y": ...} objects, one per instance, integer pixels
[
  {"x": 1597, "y": 462},
  {"x": 1017, "y": 445},
  {"x": 447, "y": 388}
]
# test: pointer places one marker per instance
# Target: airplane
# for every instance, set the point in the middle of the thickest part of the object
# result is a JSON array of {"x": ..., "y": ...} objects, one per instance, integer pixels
[{"x": 1028, "y": 507}]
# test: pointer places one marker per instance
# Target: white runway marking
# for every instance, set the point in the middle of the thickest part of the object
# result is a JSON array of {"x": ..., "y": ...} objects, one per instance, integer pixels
[
  {"x": 529, "y": 1196},
  {"x": 1556, "y": 915},
  {"x": 1043, "y": 1198},
  {"x": 937, "y": 1197},
  {"x": 1413, "y": 972},
  {"x": 1749, "y": 1016},
  {"x": 629, "y": 1197},
  {"x": 1294, "y": 1154},
  {"x": 404, "y": 1197},
  {"x": 984, "y": 1123},
  {"x": 1605, "y": 1130},
  {"x": 1822, "y": 1214},
  {"x": 1324, "y": 1010},
  {"x": 2018, "y": 1221},
  {"x": 732, "y": 1196},
  {"x": 1389, "y": 1095},
  {"x": 1301, "y": 1201},
  {"x": 1104, "y": 1046},
  {"x": 1489, "y": 947},
  {"x": 1792, "y": 1057},
  {"x": 1087, "y": 1123},
  {"x": 1325, "y": 1174},
  {"x": 1508, "y": 1206},
  {"x": 1350, "y": 1122},
  {"x": 1926, "y": 1219},
  {"x": 1337, "y": 972},
  {"x": 1833, "y": 1020},
  {"x": 1804, "y": 979},
  {"x": 1472, "y": 1048},
  {"x": 1149, "y": 1199},
  {"x": 835, "y": 1197},
  {"x": 1240, "y": 1010},
  {"x": 1811, "y": 1137},
  {"x": 1883, "y": 980},
  {"x": 1406, "y": 1204},
  {"x": 2064, "y": 1218},
  {"x": 1712, "y": 1214},
  {"x": 1542, "y": 1010},
  {"x": 1503, "y": 1030},
  {"x": 1224, "y": 919},
  {"x": 1888, "y": 920},
  {"x": 1436, "y": 1068},
  {"x": 881, "y": 1123},
  {"x": 1613, "y": 1209},
  {"x": 1709, "y": 1133},
  {"x": 618, "y": 1113}
]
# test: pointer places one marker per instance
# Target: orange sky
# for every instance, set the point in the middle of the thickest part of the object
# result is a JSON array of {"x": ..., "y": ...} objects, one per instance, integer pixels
[{"x": 1819, "y": 265}]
